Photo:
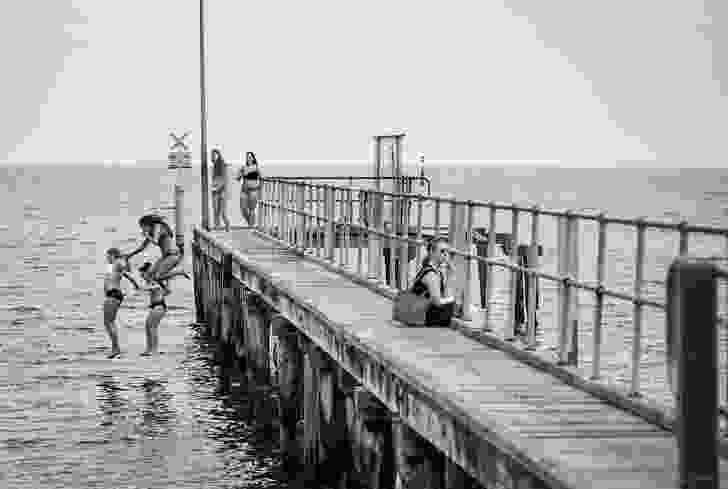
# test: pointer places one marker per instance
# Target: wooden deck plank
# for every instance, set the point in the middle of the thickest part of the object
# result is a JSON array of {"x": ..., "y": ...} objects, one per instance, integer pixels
[{"x": 598, "y": 444}]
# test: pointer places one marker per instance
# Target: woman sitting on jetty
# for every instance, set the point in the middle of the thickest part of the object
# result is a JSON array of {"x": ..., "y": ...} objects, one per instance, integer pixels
[
  {"x": 250, "y": 188},
  {"x": 219, "y": 189},
  {"x": 431, "y": 283}
]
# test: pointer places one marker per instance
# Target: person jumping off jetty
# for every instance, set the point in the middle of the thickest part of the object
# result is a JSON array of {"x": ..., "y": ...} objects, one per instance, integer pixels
[
  {"x": 157, "y": 231},
  {"x": 117, "y": 267}
]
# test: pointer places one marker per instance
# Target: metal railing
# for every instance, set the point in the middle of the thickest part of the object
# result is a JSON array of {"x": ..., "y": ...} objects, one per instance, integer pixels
[{"x": 316, "y": 217}]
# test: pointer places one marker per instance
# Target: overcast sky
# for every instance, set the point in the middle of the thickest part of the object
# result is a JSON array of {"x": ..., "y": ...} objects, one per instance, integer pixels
[{"x": 582, "y": 82}]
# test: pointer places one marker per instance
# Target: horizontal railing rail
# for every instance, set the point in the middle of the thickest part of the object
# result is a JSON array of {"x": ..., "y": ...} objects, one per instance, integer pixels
[
  {"x": 319, "y": 218},
  {"x": 410, "y": 179}
]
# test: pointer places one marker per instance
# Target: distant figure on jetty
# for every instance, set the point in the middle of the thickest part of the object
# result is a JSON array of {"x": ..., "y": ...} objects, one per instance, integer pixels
[
  {"x": 157, "y": 309},
  {"x": 117, "y": 267},
  {"x": 219, "y": 189},
  {"x": 250, "y": 188},
  {"x": 432, "y": 283},
  {"x": 157, "y": 231}
]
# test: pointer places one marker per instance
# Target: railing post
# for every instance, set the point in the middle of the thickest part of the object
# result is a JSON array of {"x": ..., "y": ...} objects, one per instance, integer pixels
[
  {"x": 349, "y": 220},
  {"x": 281, "y": 213},
  {"x": 269, "y": 208},
  {"x": 637, "y": 311},
  {"x": 683, "y": 238},
  {"x": 301, "y": 217},
  {"x": 393, "y": 230},
  {"x": 309, "y": 217},
  {"x": 511, "y": 326},
  {"x": 599, "y": 306},
  {"x": 468, "y": 242},
  {"x": 372, "y": 272},
  {"x": 489, "y": 288},
  {"x": 360, "y": 233},
  {"x": 320, "y": 224},
  {"x": 420, "y": 202},
  {"x": 379, "y": 218},
  {"x": 330, "y": 223},
  {"x": 404, "y": 245},
  {"x": 692, "y": 302},
  {"x": 568, "y": 342},
  {"x": 533, "y": 281}
]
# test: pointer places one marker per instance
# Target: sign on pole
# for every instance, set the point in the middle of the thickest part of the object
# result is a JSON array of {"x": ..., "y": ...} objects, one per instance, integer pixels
[{"x": 179, "y": 152}]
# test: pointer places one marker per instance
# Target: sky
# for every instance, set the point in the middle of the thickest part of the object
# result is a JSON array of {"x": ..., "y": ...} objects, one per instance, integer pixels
[{"x": 580, "y": 83}]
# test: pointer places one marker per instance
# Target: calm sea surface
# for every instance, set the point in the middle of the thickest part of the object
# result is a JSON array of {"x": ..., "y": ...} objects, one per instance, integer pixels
[{"x": 71, "y": 418}]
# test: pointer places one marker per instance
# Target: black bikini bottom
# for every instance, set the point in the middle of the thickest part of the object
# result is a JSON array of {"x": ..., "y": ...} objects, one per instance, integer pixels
[
  {"x": 158, "y": 303},
  {"x": 115, "y": 294}
]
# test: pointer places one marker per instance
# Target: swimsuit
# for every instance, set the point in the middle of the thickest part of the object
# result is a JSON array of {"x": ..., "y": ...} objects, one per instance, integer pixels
[
  {"x": 253, "y": 175},
  {"x": 161, "y": 302},
  {"x": 115, "y": 294}
]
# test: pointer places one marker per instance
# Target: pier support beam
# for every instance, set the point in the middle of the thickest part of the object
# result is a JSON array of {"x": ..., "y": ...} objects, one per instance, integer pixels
[{"x": 289, "y": 385}]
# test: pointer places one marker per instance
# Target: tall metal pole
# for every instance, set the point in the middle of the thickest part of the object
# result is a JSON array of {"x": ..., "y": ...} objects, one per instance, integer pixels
[{"x": 203, "y": 125}]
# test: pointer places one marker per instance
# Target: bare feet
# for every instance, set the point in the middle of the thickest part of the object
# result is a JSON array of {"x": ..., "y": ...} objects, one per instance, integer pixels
[
  {"x": 114, "y": 354},
  {"x": 145, "y": 354}
]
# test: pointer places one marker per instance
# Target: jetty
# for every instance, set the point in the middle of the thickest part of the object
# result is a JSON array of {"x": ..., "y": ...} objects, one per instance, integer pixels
[{"x": 303, "y": 302}]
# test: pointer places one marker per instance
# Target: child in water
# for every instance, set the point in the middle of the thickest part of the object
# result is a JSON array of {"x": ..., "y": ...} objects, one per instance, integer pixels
[
  {"x": 116, "y": 268},
  {"x": 157, "y": 309}
]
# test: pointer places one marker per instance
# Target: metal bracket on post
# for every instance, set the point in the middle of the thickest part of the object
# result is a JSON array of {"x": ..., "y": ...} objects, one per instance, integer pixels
[{"x": 692, "y": 356}]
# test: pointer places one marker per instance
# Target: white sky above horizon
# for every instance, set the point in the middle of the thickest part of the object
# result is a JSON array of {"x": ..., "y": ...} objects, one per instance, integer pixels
[{"x": 582, "y": 83}]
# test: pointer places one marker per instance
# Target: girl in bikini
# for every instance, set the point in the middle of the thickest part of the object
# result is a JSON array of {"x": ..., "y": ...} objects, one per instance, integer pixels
[
  {"x": 117, "y": 268},
  {"x": 250, "y": 189},
  {"x": 219, "y": 189},
  {"x": 157, "y": 310},
  {"x": 157, "y": 231}
]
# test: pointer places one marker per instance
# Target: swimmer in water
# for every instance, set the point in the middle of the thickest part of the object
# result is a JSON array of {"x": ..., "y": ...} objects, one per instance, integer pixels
[
  {"x": 157, "y": 309},
  {"x": 117, "y": 267},
  {"x": 157, "y": 231}
]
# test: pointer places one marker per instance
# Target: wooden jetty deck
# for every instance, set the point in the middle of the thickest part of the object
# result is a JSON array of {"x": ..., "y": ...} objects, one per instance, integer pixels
[{"x": 565, "y": 437}]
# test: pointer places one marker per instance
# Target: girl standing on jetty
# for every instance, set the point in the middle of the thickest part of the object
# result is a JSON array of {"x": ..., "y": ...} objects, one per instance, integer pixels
[
  {"x": 250, "y": 188},
  {"x": 219, "y": 189}
]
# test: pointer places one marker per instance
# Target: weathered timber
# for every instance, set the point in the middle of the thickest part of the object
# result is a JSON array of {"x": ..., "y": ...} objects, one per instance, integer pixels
[{"x": 542, "y": 438}]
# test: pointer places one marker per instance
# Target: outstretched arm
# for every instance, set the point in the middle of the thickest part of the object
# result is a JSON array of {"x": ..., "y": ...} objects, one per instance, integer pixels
[
  {"x": 141, "y": 248},
  {"x": 130, "y": 279}
]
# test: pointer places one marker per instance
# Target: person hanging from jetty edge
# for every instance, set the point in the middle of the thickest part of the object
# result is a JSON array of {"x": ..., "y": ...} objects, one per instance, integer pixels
[
  {"x": 250, "y": 188},
  {"x": 431, "y": 283},
  {"x": 157, "y": 231},
  {"x": 219, "y": 189},
  {"x": 157, "y": 309},
  {"x": 117, "y": 267}
]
